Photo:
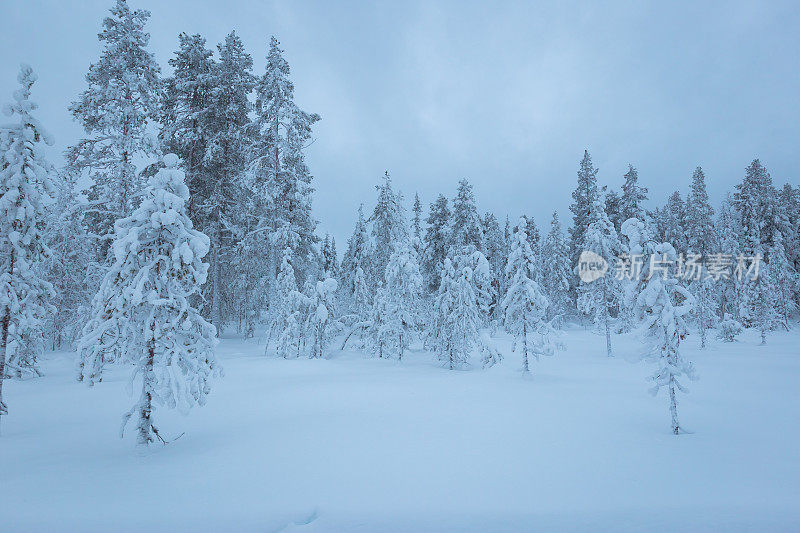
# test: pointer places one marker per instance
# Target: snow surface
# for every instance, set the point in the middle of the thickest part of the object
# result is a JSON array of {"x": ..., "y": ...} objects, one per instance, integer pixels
[{"x": 356, "y": 444}]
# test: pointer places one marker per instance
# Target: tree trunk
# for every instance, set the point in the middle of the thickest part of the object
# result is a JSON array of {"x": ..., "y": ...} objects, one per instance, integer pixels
[
  {"x": 6, "y": 324},
  {"x": 216, "y": 314},
  {"x": 607, "y": 320},
  {"x": 145, "y": 427},
  {"x": 524, "y": 343},
  {"x": 673, "y": 406}
]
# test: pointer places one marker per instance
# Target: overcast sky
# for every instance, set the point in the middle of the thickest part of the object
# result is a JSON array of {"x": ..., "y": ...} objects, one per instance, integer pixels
[{"x": 505, "y": 94}]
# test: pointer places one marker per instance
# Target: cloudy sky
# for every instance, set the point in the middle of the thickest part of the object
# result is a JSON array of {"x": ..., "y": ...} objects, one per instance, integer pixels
[{"x": 506, "y": 94}]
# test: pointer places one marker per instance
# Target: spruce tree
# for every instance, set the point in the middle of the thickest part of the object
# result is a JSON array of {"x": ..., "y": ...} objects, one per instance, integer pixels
[
  {"x": 71, "y": 266},
  {"x": 143, "y": 309},
  {"x": 465, "y": 230},
  {"x": 287, "y": 311},
  {"x": 660, "y": 309},
  {"x": 25, "y": 184},
  {"x": 556, "y": 270},
  {"x": 116, "y": 111},
  {"x": 584, "y": 198},
  {"x": 355, "y": 265},
  {"x": 226, "y": 159},
  {"x": 496, "y": 253},
  {"x": 321, "y": 323},
  {"x": 394, "y": 313},
  {"x": 388, "y": 226},
  {"x": 456, "y": 324},
  {"x": 437, "y": 242},
  {"x": 633, "y": 196},
  {"x": 525, "y": 304},
  {"x": 283, "y": 133},
  {"x": 597, "y": 298},
  {"x": 699, "y": 226},
  {"x": 416, "y": 225}
]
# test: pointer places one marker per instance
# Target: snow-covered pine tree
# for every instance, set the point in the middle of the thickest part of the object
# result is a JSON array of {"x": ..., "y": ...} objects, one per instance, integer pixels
[
  {"x": 25, "y": 183},
  {"x": 556, "y": 270},
  {"x": 227, "y": 223},
  {"x": 597, "y": 298},
  {"x": 729, "y": 288},
  {"x": 388, "y": 226},
  {"x": 637, "y": 247},
  {"x": 287, "y": 311},
  {"x": 395, "y": 303},
  {"x": 116, "y": 111},
  {"x": 416, "y": 225},
  {"x": 143, "y": 307},
  {"x": 525, "y": 304},
  {"x": 186, "y": 117},
  {"x": 660, "y": 309},
  {"x": 355, "y": 264},
  {"x": 465, "y": 229},
  {"x": 789, "y": 201},
  {"x": 436, "y": 242},
  {"x": 764, "y": 300},
  {"x": 456, "y": 321},
  {"x": 784, "y": 280},
  {"x": 633, "y": 197},
  {"x": 534, "y": 238},
  {"x": 320, "y": 324},
  {"x": 495, "y": 247},
  {"x": 328, "y": 252},
  {"x": 584, "y": 198},
  {"x": 755, "y": 202},
  {"x": 284, "y": 131},
  {"x": 71, "y": 265},
  {"x": 613, "y": 207},
  {"x": 699, "y": 225},
  {"x": 670, "y": 222}
]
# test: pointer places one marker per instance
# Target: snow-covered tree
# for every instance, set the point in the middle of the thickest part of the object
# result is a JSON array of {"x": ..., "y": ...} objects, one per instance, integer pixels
[
  {"x": 613, "y": 207},
  {"x": 416, "y": 225},
  {"x": 525, "y": 304},
  {"x": 437, "y": 242},
  {"x": 394, "y": 311},
  {"x": 784, "y": 280},
  {"x": 599, "y": 297},
  {"x": 763, "y": 300},
  {"x": 456, "y": 321},
  {"x": 143, "y": 310},
  {"x": 465, "y": 229},
  {"x": 495, "y": 248},
  {"x": 633, "y": 196},
  {"x": 320, "y": 323},
  {"x": 584, "y": 198},
  {"x": 116, "y": 111},
  {"x": 25, "y": 184},
  {"x": 670, "y": 222},
  {"x": 225, "y": 222},
  {"x": 71, "y": 266},
  {"x": 287, "y": 311},
  {"x": 700, "y": 238},
  {"x": 330, "y": 264},
  {"x": 284, "y": 132},
  {"x": 729, "y": 288},
  {"x": 660, "y": 308},
  {"x": 556, "y": 270},
  {"x": 755, "y": 202},
  {"x": 388, "y": 226},
  {"x": 535, "y": 240},
  {"x": 729, "y": 328},
  {"x": 355, "y": 265}
]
